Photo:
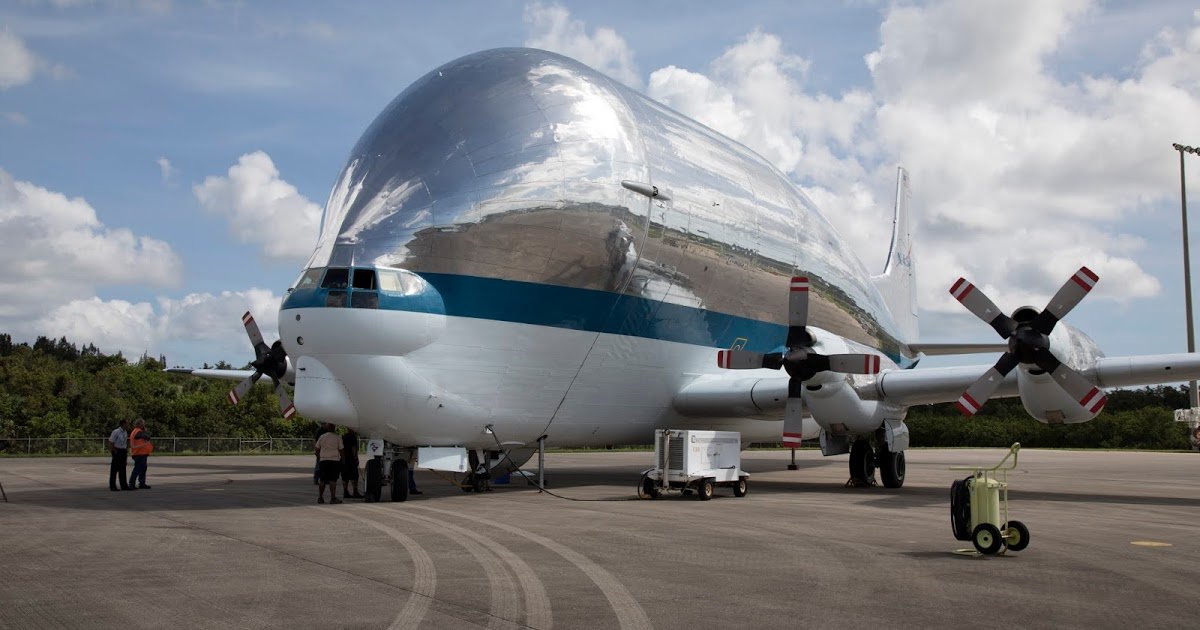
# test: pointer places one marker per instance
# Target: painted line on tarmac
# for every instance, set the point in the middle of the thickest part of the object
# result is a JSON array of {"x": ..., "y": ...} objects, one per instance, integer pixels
[
  {"x": 630, "y": 614},
  {"x": 537, "y": 602}
]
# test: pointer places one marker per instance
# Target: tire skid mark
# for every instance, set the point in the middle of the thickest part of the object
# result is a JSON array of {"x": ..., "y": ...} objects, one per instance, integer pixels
[
  {"x": 537, "y": 601},
  {"x": 424, "y": 574},
  {"x": 630, "y": 614}
]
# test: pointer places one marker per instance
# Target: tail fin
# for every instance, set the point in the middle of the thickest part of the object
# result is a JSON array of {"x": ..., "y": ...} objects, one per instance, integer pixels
[{"x": 898, "y": 282}]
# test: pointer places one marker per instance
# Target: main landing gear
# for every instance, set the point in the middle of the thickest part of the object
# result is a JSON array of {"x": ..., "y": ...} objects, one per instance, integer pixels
[
  {"x": 864, "y": 460},
  {"x": 394, "y": 461}
]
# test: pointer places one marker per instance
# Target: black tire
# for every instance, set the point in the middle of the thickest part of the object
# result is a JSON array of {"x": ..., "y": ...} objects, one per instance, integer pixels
[
  {"x": 862, "y": 462},
  {"x": 740, "y": 487},
  {"x": 399, "y": 480},
  {"x": 987, "y": 539},
  {"x": 374, "y": 480},
  {"x": 960, "y": 509},
  {"x": 649, "y": 488},
  {"x": 1018, "y": 536},
  {"x": 891, "y": 468},
  {"x": 705, "y": 490}
]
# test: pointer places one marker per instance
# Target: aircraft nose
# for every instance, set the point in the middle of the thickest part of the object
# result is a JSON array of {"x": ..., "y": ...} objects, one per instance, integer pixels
[{"x": 397, "y": 319}]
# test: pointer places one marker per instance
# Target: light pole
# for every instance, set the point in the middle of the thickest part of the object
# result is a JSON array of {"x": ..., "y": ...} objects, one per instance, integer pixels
[{"x": 1193, "y": 395}]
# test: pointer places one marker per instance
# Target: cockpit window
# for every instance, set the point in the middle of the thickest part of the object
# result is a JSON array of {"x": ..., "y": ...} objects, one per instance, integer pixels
[
  {"x": 399, "y": 281},
  {"x": 364, "y": 278},
  {"x": 310, "y": 278},
  {"x": 336, "y": 278}
]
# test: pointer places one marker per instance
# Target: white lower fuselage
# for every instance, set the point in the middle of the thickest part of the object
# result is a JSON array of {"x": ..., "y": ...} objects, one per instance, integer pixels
[{"x": 419, "y": 379}]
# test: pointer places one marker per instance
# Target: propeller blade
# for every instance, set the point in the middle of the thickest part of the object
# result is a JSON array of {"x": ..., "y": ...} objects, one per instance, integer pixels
[
  {"x": 1089, "y": 396},
  {"x": 977, "y": 394},
  {"x": 798, "y": 302},
  {"x": 983, "y": 307},
  {"x": 854, "y": 363},
  {"x": 239, "y": 391},
  {"x": 793, "y": 422},
  {"x": 1071, "y": 293},
  {"x": 740, "y": 360},
  {"x": 286, "y": 408},
  {"x": 256, "y": 337}
]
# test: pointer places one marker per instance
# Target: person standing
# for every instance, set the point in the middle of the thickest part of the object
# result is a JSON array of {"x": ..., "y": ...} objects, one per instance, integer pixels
[
  {"x": 329, "y": 456},
  {"x": 350, "y": 464},
  {"x": 118, "y": 445},
  {"x": 140, "y": 449}
]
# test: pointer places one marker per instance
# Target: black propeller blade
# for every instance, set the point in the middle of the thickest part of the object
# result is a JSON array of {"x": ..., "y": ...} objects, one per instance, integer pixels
[
  {"x": 271, "y": 361},
  {"x": 1028, "y": 336}
]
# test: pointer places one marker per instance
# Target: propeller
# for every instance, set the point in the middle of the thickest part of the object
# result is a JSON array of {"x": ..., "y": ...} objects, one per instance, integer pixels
[
  {"x": 1028, "y": 335},
  {"x": 269, "y": 360},
  {"x": 799, "y": 360}
]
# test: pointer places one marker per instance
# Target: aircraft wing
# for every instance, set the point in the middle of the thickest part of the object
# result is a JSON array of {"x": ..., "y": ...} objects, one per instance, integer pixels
[
  {"x": 233, "y": 375},
  {"x": 718, "y": 395}
]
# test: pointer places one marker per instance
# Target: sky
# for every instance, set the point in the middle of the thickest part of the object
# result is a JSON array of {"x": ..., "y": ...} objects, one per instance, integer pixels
[{"x": 164, "y": 164}]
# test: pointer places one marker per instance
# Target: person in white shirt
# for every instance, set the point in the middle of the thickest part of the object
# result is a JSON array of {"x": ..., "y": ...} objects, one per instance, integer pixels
[
  {"x": 329, "y": 452},
  {"x": 118, "y": 445}
]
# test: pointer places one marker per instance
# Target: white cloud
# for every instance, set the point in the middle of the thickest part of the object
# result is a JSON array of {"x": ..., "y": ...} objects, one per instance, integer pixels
[
  {"x": 54, "y": 249},
  {"x": 553, "y": 29},
  {"x": 262, "y": 209},
  {"x": 169, "y": 173},
  {"x": 17, "y": 64},
  {"x": 213, "y": 321},
  {"x": 1019, "y": 176},
  {"x": 16, "y": 118}
]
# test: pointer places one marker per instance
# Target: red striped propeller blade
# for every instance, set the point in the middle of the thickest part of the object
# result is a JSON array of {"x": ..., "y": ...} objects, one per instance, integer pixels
[
  {"x": 739, "y": 359},
  {"x": 1068, "y": 297},
  {"x": 793, "y": 422},
  {"x": 286, "y": 408},
  {"x": 256, "y": 337},
  {"x": 854, "y": 363},
  {"x": 1089, "y": 396},
  {"x": 977, "y": 394},
  {"x": 798, "y": 302},
  {"x": 982, "y": 307},
  {"x": 239, "y": 390}
]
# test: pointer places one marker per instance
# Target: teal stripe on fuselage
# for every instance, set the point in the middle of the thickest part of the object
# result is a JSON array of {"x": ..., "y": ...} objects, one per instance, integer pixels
[{"x": 571, "y": 308}]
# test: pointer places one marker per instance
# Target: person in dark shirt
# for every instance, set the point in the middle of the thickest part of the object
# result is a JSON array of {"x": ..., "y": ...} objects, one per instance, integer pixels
[{"x": 350, "y": 464}]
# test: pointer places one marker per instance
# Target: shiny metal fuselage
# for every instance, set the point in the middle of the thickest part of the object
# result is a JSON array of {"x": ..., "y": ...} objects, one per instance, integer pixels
[{"x": 544, "y": 297}]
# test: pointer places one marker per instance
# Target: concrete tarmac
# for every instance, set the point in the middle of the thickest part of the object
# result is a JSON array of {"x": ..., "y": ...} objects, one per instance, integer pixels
[{"x": 239, "y": 542}]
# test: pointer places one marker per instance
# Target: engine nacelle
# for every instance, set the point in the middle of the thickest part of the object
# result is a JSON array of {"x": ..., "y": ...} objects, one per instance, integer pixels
[{"x": 1041, "y": 396}]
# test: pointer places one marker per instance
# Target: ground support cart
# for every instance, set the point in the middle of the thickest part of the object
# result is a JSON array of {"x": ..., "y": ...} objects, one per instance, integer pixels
[
  {"x": 697, "y": 462},
  {"x": 979, "y": 508}
]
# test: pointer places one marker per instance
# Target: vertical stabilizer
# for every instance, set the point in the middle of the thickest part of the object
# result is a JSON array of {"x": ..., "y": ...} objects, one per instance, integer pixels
[{"x": 898, "y": 281}]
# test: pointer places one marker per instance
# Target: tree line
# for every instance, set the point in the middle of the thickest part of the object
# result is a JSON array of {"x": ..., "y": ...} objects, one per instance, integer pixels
[{"x": 54, "y": 388}]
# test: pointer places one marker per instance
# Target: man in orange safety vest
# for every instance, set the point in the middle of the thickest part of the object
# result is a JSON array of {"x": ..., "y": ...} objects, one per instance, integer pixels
[{"x": 140, "y": 448}]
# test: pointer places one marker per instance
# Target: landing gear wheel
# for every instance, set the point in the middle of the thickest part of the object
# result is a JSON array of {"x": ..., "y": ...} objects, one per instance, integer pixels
[
  {"x": 891, "y": 468},
  {"x": 706, "y": 490},
  {"x": 649, "y": 488},
  {"x": 1018, "y": 536},
  {"x": 987, "y": 539},
  {"x": 862, "y": 463},
  {"x": 399, "y": 481},
  {"x": 740, "y": 488},
  {"x": 374, "y": 479}
]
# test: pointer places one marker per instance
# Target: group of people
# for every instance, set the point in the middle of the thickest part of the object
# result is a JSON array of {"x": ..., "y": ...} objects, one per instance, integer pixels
[
  {"x": 123, "y": 443},
  {"x": 337, "y": 457}
]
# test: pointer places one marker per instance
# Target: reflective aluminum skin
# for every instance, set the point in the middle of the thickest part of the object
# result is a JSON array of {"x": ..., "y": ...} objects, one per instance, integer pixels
[{"x": 497, "y": 179}]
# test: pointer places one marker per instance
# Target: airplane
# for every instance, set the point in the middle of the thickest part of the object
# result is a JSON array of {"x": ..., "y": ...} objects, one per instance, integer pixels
[{"x": 521, "y": 251}]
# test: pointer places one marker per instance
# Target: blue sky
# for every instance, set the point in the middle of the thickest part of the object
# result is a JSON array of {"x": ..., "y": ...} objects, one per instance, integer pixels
[{"x": 162, "y": 163}]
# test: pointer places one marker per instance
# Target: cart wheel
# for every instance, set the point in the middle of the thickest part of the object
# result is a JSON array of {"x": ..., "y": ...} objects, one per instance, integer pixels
[
  {"x": 1018, "y": 536},
  {"x": 706, "y": 490},
  {"x": 740, "y": 488},
  {"x": 987, "y": 539},
  {"x": 649, "y": 489}
]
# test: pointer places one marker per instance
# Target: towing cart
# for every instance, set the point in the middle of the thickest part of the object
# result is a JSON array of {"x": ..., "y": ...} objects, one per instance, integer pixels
[
  {"x": 695, "y": 461},
  {"x": 979, "y": 508}
]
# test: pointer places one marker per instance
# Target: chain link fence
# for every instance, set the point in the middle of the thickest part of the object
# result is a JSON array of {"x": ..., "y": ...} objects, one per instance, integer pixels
[{"x": 162, "y": 446}]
